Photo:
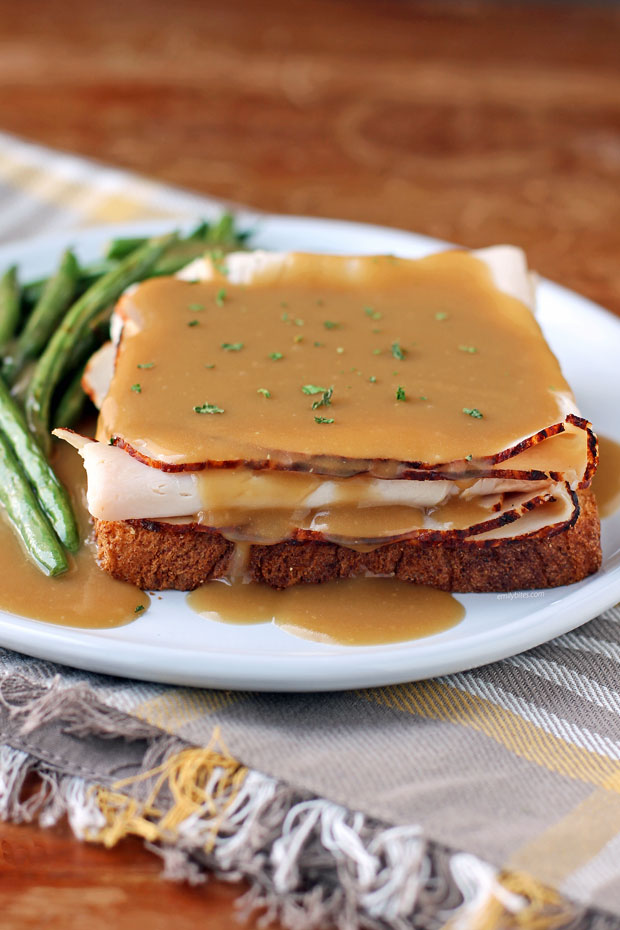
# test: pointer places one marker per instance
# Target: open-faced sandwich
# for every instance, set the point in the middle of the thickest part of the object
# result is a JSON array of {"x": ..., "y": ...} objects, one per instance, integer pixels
[{"x": 286, "y": 418}]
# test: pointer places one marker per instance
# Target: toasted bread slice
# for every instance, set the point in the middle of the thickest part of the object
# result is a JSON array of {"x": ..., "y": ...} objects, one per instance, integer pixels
[{"x": 158, "y": 555}]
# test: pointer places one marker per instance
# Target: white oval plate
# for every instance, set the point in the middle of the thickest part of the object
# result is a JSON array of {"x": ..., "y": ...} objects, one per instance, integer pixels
[{"x": 172, "y": 644}]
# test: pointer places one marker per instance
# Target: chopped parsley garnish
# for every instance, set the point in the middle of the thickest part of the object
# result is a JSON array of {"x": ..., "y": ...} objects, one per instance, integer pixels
[
  {"x": 323, "y": 419},
  {"x": 285, "y": 317},
  {"x": 208, "y": 408},
  {"x": 473, "y": 412},
  {"x": 372, "y": 379},
  {"x": 298, "y": 322},
  {"x": 145, "y": 365},
  {"x": 195, "y": 307},
  {"x": 400, "y": 393},
  {"x": 325, "y": 400},
  {"x": 276, "y": 356},
  {"x": 318, "y": 344},
  {"x": 470, "y": 349},
  {"x": 193, "y": 323},
  {"x": 313, "y": 389},
  {"x": 397, "y": 352},
  {"x": 220, "y": 297},
  {"x": 212, "y": 365},
  {"x": 232, "y": 346},
  {"x": 373, "y": 314},
  {"x": 376, "y": 351},
  {"x": 139, "y": 609},
  {"x": 423, "y": 397},
  {"x": 136, "y": 388},
  {"x": 111, "y": 441},
  {"x": 217, "y": 257},
  {"x": 468, "y": 458},
  {"x": 329, "y": 324},
  {"x": 441, "y": 316},
  {"x": 264, "y": 392}
]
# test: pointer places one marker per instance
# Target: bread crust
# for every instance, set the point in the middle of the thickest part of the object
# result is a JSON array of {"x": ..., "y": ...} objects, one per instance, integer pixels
[{"x": 158, "y": 556}]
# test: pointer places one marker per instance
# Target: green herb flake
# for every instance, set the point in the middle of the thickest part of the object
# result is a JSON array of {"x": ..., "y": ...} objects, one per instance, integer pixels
[
  {"x": 298, "y": 338},
  {"x": 313, "y": 389},
  {"x": 473, "y": 412},
  {"x": 376, "y": 351},
  {"x": 212, "y": 365},
  {"x": 285, "y": 317},
  {"x": 193, "y": 323},
  {"x": 284, "y": 304},
  {"x": 325, "y": 400},
  {"x": 220, "y": 297},
  {"x": 423, "y": 397},
  {"x": 195, "y": 307},
  {"x": 217, "y": 257},
  {"x": 441, "y": 316},
  {"x": 318, "y": 345},
  {"x": 397, "y": 351},
  {"x": 400, "y": 393},
  {"x": 145, "y": 365},
  {"x": 111, "y": 441},
  {"x": 372, "y": 379},
  {"x": 330, "y": 324},
  {"x": 468, "y": 458},
  {"x": 298, "y": 322},
  {"x": 208, "y": 408},
  {"x": 232, "y": 346},
  {"x": 264, "y": 392},
  {"x": 372, "y": 313},
  {"x": 139, "y": 609},
  {"x": 471, "y": 349},
  {"x": 276, "y": 356},
  {"x": 136, "y": 388},
  {"x": 323, "y": 419}
]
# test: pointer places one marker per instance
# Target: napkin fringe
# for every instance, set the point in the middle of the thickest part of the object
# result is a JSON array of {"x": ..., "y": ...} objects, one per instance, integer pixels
[{"x": 310, "y": 862}]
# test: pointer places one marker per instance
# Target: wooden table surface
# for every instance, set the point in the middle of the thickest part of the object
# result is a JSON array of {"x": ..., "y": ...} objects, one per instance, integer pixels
[{"x": 470, "y": 121}]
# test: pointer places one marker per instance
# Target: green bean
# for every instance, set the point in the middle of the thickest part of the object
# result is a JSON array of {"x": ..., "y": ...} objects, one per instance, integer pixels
[
  {"x": 121, "y": 248},
  {"x": 54, "y": 361},
  {"x": 47, "y": 313},
  {"x": 52, "y": 496},
  {"x": 88, "y": 274},
  {"x": 9, "y": 305},
  {"x": 72, "y": 401},
  {"x": 26, "y": 516}
]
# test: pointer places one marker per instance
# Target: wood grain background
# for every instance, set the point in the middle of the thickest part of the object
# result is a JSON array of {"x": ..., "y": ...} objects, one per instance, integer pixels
[{"x": 471, "y": 121}]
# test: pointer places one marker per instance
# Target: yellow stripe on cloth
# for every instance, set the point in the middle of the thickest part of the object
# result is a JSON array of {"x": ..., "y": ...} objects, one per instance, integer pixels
[
  {"x": 120, "y": 208},
  {"x": 198, "y": 783},
  {"x": 438, "y": 701},
  {"x": 174, "y": 708},
  {"x": 573, "y": 841}
]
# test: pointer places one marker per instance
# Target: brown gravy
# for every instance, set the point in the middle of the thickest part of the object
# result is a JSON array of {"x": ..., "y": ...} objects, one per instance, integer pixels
[
  {"x": 427, "y": 359},
  {"x": 84, "y": 596},
  {"x": 606, "y": 483},
  {"x": 351, "y": 612}
]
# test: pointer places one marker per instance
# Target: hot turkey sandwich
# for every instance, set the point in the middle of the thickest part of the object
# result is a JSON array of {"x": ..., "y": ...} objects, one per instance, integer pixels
[{"x": 296, "y": 418}]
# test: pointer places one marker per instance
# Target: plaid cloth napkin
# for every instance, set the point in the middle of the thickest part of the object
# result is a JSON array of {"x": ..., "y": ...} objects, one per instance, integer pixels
[{"x": 484, "y": 800}]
